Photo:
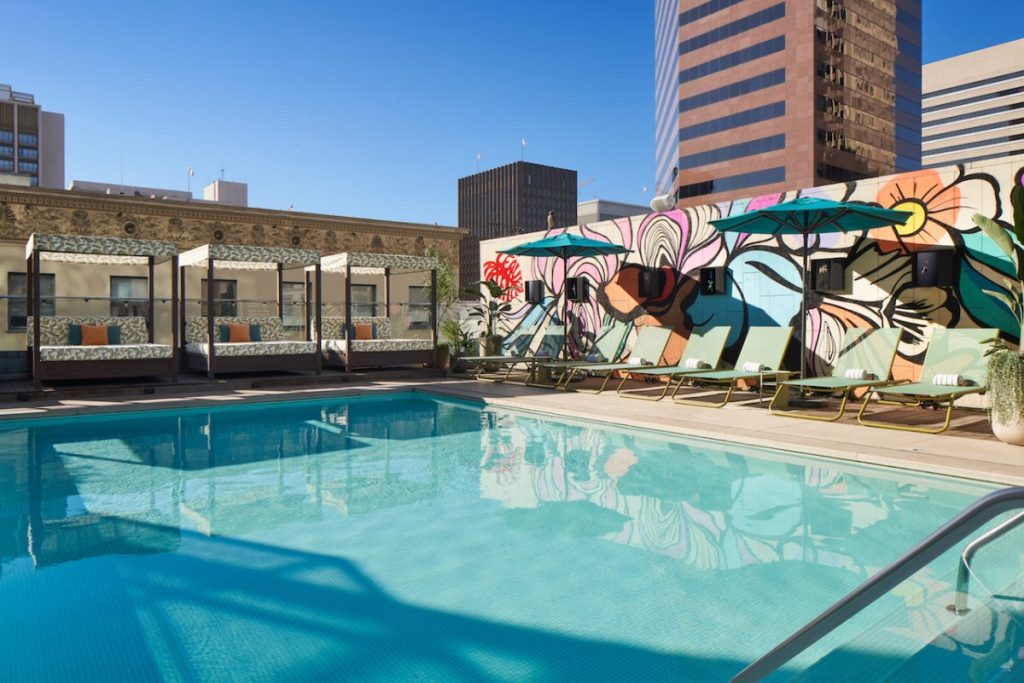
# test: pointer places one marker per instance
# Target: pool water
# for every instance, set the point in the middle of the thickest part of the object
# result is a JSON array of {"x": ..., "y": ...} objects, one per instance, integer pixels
[{"x": 401, "y": 537}]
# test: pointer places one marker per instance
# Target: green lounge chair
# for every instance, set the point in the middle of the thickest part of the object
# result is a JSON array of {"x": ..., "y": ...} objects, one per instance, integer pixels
[
  {"x": 517, "y": 343},
  {"x": 763, "y": 348},
  {"x": 608, "y": 347},
  {"x": 958, "y": 353},
  {"x": 865, "y": 361},
  {"x": 702, "y": 353},
  {"x": 650, "y": 344},
  {"x": 550, "y": 346}
]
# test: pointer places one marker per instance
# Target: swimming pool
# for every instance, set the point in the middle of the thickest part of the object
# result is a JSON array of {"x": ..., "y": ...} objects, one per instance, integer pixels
[{"x": 403, "y": 537}]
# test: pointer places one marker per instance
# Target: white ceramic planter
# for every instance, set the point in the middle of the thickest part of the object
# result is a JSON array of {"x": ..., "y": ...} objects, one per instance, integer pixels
[{"x": 1009, "y": 433}]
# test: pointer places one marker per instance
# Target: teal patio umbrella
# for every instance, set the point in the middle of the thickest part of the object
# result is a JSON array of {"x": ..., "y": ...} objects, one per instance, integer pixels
[
  {"x": 809, "y": 216},
  {"x": 565, "y": 246}
]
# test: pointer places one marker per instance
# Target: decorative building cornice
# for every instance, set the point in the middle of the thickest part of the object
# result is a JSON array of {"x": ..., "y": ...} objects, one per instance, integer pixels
[{"x": 67, "y": 199}]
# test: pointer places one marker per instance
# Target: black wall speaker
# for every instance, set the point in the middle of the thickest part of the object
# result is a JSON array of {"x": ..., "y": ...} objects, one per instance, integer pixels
[
  {"x": 534, "y": 291},
  {"x": 577, "y": 289},
  {"x": 828, "y": 275},
  {"x": 651, "y": 282},
  {"x": 712, "y": 280},
  {"x": 936, "y": 268}
]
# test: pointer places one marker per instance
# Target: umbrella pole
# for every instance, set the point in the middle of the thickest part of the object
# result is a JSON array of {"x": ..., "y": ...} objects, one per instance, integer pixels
[
  {"x": 803, "y": 313},
  {"x": 565, "y": 306}
]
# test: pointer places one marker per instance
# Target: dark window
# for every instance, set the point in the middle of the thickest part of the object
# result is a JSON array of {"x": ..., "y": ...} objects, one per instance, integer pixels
[
  {"x": 129, "y": 296},
  {"x": 733, "y": 28},
  {"x": 968, "y": 131},
  {"x": 6, "y": 136},
  {"x": 742, "y": 118},
  {"x": 985, "y": 157},
  {"x": 225, "y": 297},
  {"x": 6, "y": 164},
  {"x": 733, "y": 182},
  {"x": 732, "y": 90},
  {"x": 975, "y": 84},
  {"x": 28, "y": 139},
  {"x": 740, "y": 149},
  {"x": 705, "y": 9},
  {"x": 6, "y": 150},
  {"x": 747, "y": 54},
  {"x": 28, "y": 153},
  {"x": 969, "y": 145},
  {"x": 364, "y": 300},
  {"x": 972, "y": 100},
  {"x": 837, "y": 174},
  {"x": 975, "y": 114},
  {"x": 419, "y": 308},
  {"x": 293, "y": 296},
  {"x": 28, "y": 167},
  {"x": 17, "y": 302}
]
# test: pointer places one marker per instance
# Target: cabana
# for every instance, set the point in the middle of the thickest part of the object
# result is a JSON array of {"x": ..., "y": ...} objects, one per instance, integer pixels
[
  {"x": 407, "y": 332},
  {"x": 97, "y": 346},
  {"x": 260, "y": 344}
]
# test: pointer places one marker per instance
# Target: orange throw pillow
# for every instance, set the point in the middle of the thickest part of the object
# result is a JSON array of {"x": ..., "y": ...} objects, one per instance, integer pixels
[
  {"x": 94, "y": 335},
  {"x": 238, "y": 333},
  {"x": 364, "y": 331}
]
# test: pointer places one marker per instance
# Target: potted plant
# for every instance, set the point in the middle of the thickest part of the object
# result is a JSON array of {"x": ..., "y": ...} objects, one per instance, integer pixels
[
  {"x": 458, "y": 343},
  {"x": 448, "y": 325},
  {"x": 488, "y": 313},
  {"x": 1006, "y": 365}
]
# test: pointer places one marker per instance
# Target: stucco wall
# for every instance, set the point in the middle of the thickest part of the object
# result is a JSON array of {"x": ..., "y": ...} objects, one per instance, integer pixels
[{"x": 764, "y": 273}]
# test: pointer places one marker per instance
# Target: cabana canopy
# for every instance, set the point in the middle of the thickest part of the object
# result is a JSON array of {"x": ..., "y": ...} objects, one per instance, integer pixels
[
  {"x": 375, "y": 264},
  {"x": 243, "y": 257},
  {"x": 103, "y": 250}
]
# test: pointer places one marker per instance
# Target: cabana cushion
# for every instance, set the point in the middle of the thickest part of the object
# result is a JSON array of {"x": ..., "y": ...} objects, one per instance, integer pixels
[
  {"x": 270, "y": 328},
  {"x": 56, "y": 330},
  {"x": 333, "y": 327},
  {"x": 108, "y": 352},
  {"x": 335, "y": 340},
  {"x": 270, "y": 342},
  {"x": 95, "y": 335}
]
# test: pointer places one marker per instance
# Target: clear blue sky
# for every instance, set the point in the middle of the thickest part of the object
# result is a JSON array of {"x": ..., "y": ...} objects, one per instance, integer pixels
[{"x": 367, "y": 108}]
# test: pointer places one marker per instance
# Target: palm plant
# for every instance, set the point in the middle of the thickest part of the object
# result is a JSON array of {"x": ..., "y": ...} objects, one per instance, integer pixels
[{"x": 489, "y": 312}]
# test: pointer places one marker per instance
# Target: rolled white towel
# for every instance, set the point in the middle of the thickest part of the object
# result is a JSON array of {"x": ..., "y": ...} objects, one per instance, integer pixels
[
  {"x": 639, "y": 361},
  {"x": 946, "y": 380},
  {"x": 856, "y": 373},
  {"x": 695, "y": 364},
  {"x": 754, "y": 367}
]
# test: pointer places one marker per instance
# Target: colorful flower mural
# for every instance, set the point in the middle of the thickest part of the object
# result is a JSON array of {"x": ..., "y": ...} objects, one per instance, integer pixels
[
  {"x": 764, "y": 272},
  {"x": 504, "y": 270}
]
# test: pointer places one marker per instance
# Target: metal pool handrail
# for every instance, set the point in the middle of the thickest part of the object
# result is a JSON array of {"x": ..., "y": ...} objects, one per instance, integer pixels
[{"x": 942, "y": 539}]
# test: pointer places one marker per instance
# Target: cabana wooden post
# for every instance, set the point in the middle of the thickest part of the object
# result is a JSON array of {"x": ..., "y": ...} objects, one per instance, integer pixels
[
  {"x": 202, "y": 352},
  {"x": 340, "y": 349},
  {"x": 53, "y": 357}
]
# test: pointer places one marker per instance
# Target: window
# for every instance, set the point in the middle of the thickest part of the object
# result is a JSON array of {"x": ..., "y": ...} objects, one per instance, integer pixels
[
  {"x": 741, "y": 118},
  {"x": 28, "y": 139},
  {"x": 733, "y": 28},
  {"x": 703, "y": 10},
  {"x": 17, "y": 302},
  {"x": 742, "y": 149},
  {"x": 225, "y": 297},
  {"x": 747, "y": 54},
  {"x": 6, "y": 150},
  {"x": 293, "y": 296},
  {"x": 6, "y": 165},
  {"x": 6, "y": 136},
  {"x": 419, "y": 308},
  {"x": 28, "y": 153},
  {"x": 364, "y": 300},
  {"x": 736, "y": 89},
  {"x": 129, "y": 296},
  {"x": 28, "y": 167},
  {"x": 733, "y": 182}
]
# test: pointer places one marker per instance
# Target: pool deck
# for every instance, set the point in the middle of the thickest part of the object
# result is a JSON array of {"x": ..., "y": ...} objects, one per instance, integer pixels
[{"x": 969, "y": 450}]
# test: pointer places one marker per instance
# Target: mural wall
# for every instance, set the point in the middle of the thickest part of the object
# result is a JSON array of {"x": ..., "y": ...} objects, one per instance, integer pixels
[{"x": 763, "y": 273}]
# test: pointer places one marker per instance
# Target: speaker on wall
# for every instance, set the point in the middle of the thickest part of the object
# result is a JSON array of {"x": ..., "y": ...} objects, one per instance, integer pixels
[
  {"x": 712, "y": 280},
  {"x": 577, "y": 289},
  {"x": 534, "y": 291},
  {"x": 651, "y": 282},
  {"x": 828, "y": 275},
  {"x": 935, "y": 268}
]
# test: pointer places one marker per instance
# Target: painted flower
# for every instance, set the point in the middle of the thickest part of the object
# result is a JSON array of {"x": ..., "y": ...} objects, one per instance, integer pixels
[
  {"x": 934, "y": 208},
  {"x": 504, "y": 270}
]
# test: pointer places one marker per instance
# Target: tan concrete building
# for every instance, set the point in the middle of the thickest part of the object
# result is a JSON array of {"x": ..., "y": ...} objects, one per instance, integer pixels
[
  {"x": 31, "y": 140},
  {"x": 973, "y": 106},
  {"x": 763, "y": 95},
  {"x": 74, "y": 289}
]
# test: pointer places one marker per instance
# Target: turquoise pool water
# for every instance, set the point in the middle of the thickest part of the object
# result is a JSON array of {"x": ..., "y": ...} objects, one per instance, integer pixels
[{"x": 406, "y": 538}]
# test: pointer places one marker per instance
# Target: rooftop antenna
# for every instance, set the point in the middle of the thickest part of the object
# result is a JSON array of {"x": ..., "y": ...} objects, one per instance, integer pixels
[{"x": 222, "y": 170}]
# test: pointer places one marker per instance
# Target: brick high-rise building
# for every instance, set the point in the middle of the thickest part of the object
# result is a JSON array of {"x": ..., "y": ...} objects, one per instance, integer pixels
[
  {"x": 509, "y": 200},
  {"x": 754, "y": 96}
]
